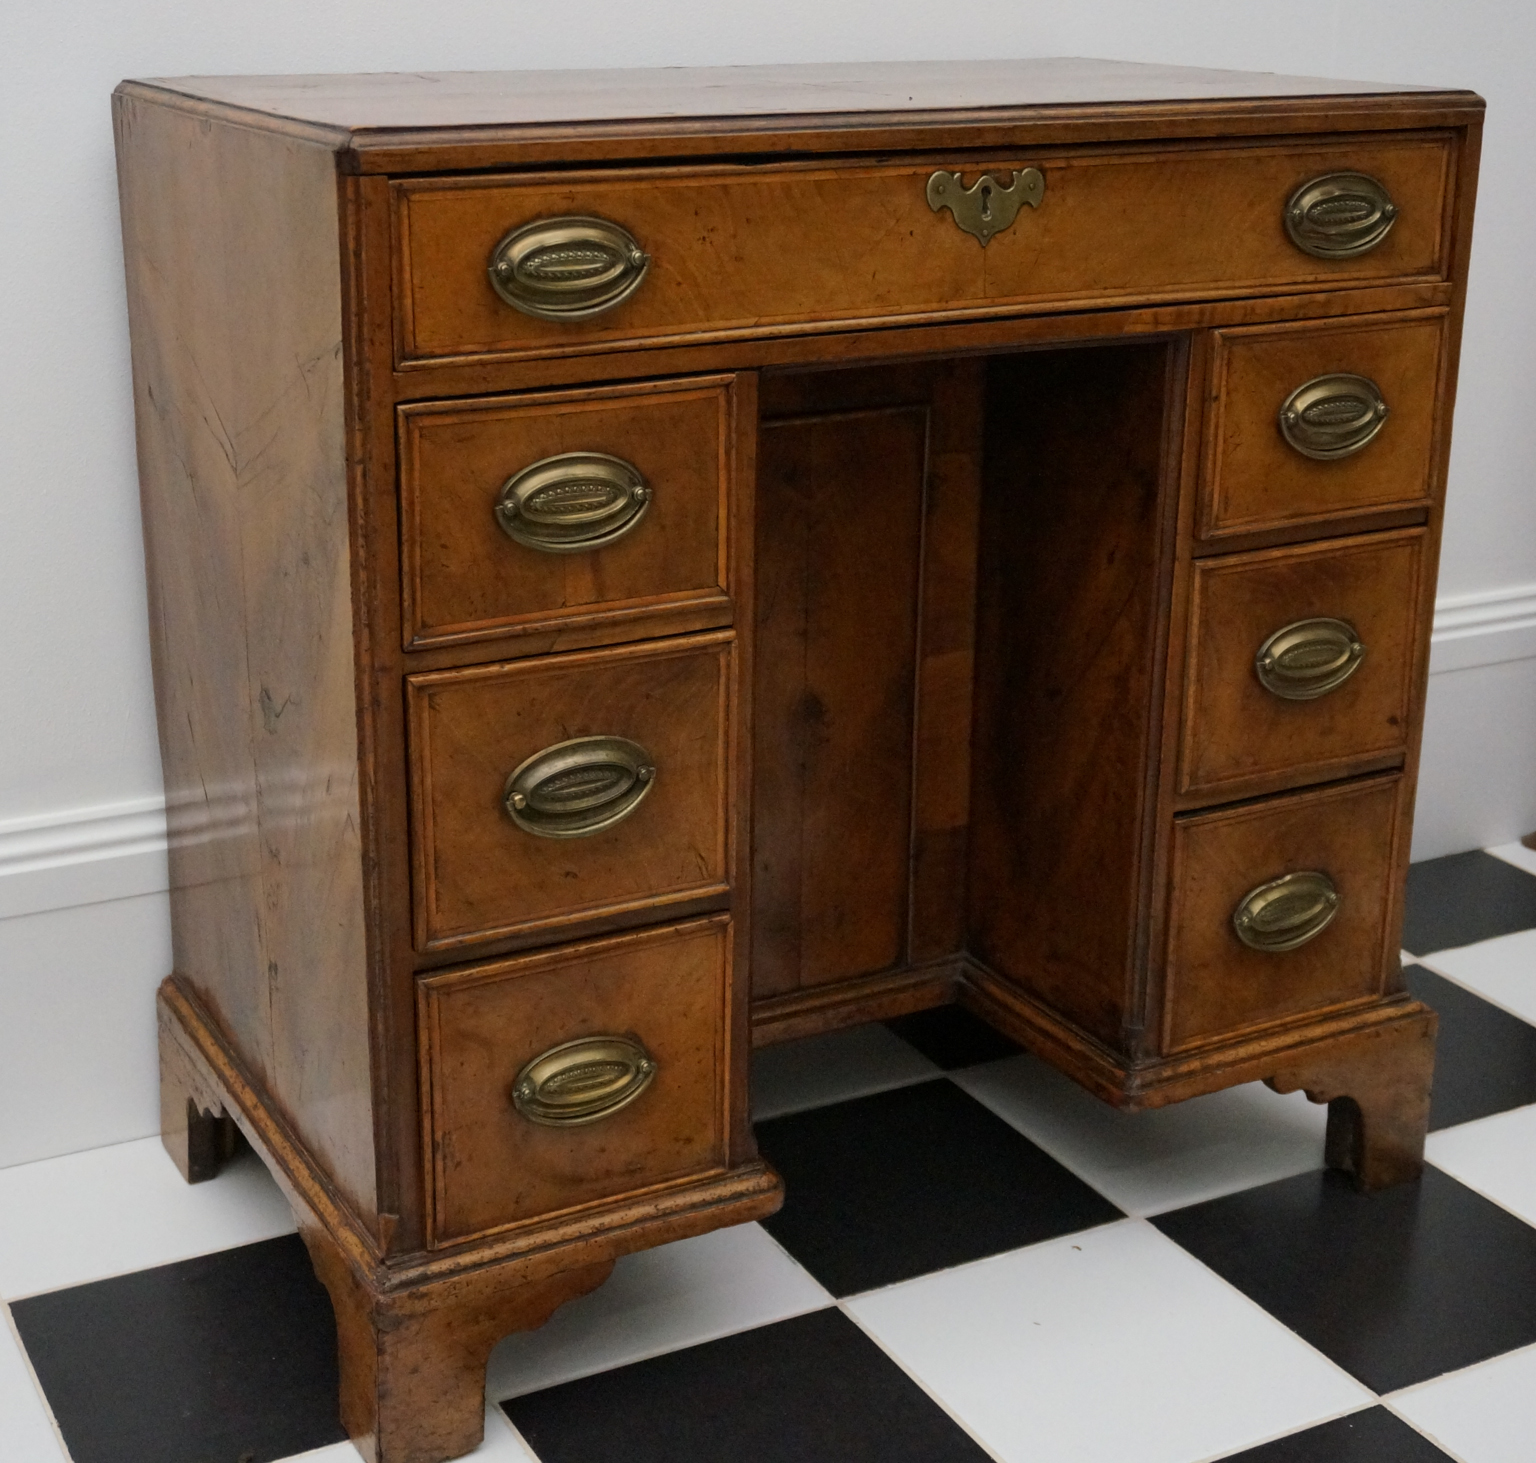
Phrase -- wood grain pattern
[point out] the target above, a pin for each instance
(478, 876)
(1074, 511)
(941, 763)
(1377, 1086)
(741, 250)
(1256, 480)
(465, 579)
(1239, 739)
(840, 508)
(231, 235)
(492, 1167)
(1216, 985)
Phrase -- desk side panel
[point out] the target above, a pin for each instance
(231, 240)
(1067, 632)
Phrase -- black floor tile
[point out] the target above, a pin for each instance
(228, 1357)
(1396, 1286)
(902, 1183)
(1485, 1059)
(814, 1389)
(1373, 1436)
(1465, 898)
(950, 1037)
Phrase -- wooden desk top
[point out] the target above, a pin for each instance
(386, 121)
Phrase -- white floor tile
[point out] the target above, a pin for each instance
(820, 1069)
(1517, 854)
(1106, 1345)
(1496, 1156)
(1150, 1162)
(656, 1301)
(502, 1444)
(1484, 1414)
(1502, 970)
(26, 1430)
(64, 1221)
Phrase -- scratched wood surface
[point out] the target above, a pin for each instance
(230, 235)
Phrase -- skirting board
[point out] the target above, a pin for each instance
(117, 850)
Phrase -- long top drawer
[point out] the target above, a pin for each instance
(744, 250)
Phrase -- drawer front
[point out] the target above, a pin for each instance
(1259, 475)
(755, 250)
(622, 760)
(1230, 863)
(565, 1078)
(1301, 662)
(564, 509)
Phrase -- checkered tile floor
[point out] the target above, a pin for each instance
(976, 1261)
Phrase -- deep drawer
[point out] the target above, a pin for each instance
(1302, 663)
(622, 762)
(1361, 397)
(562, 1079)
(1228, 866)
(732, 250)
(564, 510)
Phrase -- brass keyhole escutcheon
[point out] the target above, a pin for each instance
(987, 207)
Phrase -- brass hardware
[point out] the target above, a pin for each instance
(567, 268)
(573, 502)
(987, 207)
(1308, 658)
(1333, 416)
(1339, 215)
(582, 1081)
(1286, 912)
(579, 787)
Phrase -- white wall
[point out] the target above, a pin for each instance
(82, 924)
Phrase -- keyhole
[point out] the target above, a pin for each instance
(986, 200)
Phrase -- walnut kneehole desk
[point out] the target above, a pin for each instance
(644, 564)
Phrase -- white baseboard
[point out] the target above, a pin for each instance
(1483, 629)
(82, 856)
(117, 850)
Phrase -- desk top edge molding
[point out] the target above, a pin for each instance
(385, 122)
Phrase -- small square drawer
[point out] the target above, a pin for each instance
(1282, 909)
(1313, 423)
(565, 510)
(1302, 663)
(561, 1079)
(554, 791)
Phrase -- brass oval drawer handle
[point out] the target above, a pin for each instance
(1340, 215)
(1286, 912)
(572, 502)
(567, 268)
(987, 207)
(582, 1081)
(1333, 416)
(579, 787)
(1308, 658)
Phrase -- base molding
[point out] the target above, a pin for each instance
(415, 1331)
(1372, 1065)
